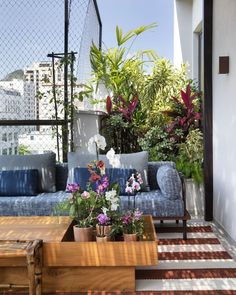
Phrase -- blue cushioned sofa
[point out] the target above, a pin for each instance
(153, 202)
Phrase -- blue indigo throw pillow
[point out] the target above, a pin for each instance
(44, 163)
(120, 176)
(19, 182)
(169, 182)
(115, 175)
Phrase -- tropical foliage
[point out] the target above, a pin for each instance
(150, 104)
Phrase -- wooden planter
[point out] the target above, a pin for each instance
(70, 266)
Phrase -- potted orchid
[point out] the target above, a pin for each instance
(80, 206)
(132, 225)
(103, 228)
(98, 201)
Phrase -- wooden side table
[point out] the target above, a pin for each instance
(31, 251)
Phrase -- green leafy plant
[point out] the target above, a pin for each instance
(23, 150)
(122, 74)
(190, 158)
(158, 143)
(160, 85)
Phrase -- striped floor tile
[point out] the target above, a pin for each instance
(199, 265)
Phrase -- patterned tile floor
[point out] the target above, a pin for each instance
(203, 264)
(226, 240)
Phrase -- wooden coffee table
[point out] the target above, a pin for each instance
(70, 266)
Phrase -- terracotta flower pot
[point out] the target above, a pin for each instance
(83, 234)
(101, 239)
(130, 237)
(103, 230)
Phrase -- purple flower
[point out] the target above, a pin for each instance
(102, 185)
(103, 219)
(105, 182)
(137, 215)
(126, 219)
(100, 189)
(128, 190)
(72, 187)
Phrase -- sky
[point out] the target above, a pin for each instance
(130, 14)
(31, 29)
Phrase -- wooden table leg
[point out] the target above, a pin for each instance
(34, 266)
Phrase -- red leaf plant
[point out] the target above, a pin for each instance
(185, 114)
(124, 107)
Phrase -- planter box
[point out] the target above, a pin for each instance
(194, 198)
(70, 266)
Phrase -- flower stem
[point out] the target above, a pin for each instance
(97, 150)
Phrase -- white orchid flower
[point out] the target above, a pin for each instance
(95, 143)
(100, 141)
(104, 210)
(110, 154)
(114, 159)
(110, 195)
(114, 206)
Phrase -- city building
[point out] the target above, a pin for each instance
(38, 142)
(40, 75)
(10, 109)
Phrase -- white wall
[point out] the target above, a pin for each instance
(86, 125)
(224, 116)
(187, 24)
(183, 33)
(197, 15)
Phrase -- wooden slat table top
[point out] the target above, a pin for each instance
(47, 228)
(14, 248)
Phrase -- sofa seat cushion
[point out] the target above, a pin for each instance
(169, 182)
(42, 204)
(154, 203)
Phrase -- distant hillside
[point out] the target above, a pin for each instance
(18, 74)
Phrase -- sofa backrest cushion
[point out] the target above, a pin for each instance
(19, 182)
(44, 163)
(152, 172)
(169, 182)
(137, 161)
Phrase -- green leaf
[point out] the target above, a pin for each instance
(142, 29)
(122, 39)
(72, 211)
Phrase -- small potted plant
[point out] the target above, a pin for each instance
(103, 228)
(80, 206)
(132, 225)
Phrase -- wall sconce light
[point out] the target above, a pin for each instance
(223, 64)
